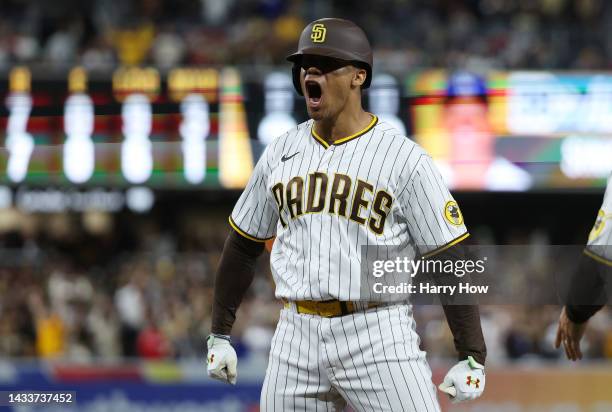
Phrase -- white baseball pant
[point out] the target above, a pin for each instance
(370, 360)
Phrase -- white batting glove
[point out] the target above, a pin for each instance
(222, 360)
(464, 381)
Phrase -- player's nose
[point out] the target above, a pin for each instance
(313, 71)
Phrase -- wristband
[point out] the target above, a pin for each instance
(473, 364)
(219, 336)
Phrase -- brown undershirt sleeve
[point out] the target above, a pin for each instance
(587, 292)
(464, 323)
(233, 278)
(463, 319)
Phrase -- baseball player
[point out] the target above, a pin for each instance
(329, 186)
(588, 287)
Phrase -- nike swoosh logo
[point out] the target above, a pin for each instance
(285, 158)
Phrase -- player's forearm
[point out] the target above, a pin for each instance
(463, 316)
(233, 278)
(464, 323)
(581, 313)
(587, 292)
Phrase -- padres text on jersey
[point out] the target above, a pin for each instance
(324, 202)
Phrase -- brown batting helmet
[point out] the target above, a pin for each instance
(337, 38)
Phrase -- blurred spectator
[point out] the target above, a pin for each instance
(103, 324)
(98, 55)
(474, 34)
(50, 328)
(62, 45)
(215, 12)
(168, 50)
(79, 348)
(151, 342)
(130, 304)
(133, 44)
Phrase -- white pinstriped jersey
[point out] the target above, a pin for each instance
(324, 202)
(600, 238)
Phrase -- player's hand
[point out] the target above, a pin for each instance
(570, 334)
(465, 381)
(222, 360)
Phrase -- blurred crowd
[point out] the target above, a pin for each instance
(94, 286)
(81, 288)
(470, 34)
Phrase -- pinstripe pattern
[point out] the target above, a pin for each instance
(602, 243)
(369, 360)
(317, 256)
(296, 379)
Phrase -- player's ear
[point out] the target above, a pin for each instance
(359, 76)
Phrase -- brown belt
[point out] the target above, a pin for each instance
(328, 308)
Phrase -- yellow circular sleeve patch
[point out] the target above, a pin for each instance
(452, 213)
(600, 222)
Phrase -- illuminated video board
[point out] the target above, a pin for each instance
(110, 135)
(516, 130)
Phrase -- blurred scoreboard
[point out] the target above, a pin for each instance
(204, 128)
(189, 131)
(516, 130)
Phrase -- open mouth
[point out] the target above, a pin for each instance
(313, 92)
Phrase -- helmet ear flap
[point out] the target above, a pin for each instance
(295, 71)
